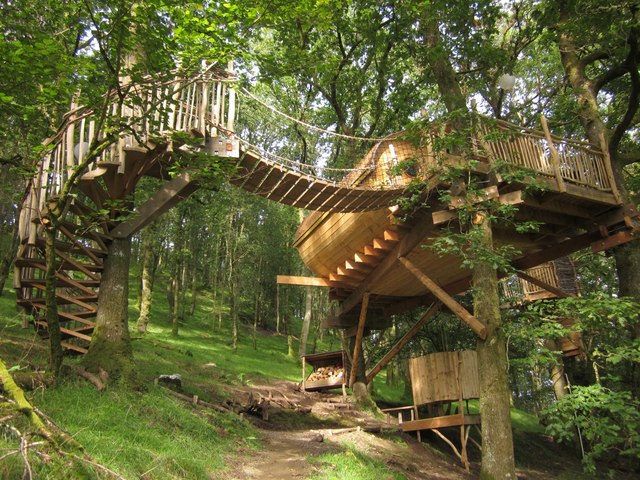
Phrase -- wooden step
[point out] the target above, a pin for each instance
(65, 332)
(82, 301)
(68, 316)
(65, 265)
(82, 231)
(73, 249)
(84, 285)
(76, 348)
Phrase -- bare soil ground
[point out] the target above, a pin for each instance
(291, 438)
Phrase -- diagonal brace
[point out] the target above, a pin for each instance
(447, 299)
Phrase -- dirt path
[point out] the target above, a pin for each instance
(284, 456)
(286, 449)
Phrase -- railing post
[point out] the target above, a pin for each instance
(232, 102)
(607, 165)
(555, 158)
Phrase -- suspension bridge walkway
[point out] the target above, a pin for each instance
(353, 240)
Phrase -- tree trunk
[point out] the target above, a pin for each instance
(149, 263)
(194, 290)
(7, 259)
(497, 440)
(110, 346)
(175, 304)
(360, 390)
(556, 371)
(53, 321)
(628, 268)
(290, 350)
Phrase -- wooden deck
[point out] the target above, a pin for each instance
(578, 206)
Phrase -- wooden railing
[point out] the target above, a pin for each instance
(563, 161)
(514, 288)
(200, 105)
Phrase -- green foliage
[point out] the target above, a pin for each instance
(609, 422)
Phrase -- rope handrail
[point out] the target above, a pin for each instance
(308, 125)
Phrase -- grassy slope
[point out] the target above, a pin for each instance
(152, 435)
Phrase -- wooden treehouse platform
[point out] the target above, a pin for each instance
(386, 255)
(356, 242)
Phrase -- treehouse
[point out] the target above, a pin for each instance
(555, 279)
(387, 255)
(357, 241)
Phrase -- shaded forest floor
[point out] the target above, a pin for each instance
(152, 434)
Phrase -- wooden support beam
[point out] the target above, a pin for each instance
(613, 241)
(484, 194)
(359, 333)
(445, 298)
(431, 311)
(549, 288)
(170, 194)
(303, 281)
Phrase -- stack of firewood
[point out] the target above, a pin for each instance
(323, 373)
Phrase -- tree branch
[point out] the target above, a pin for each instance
(633, 103)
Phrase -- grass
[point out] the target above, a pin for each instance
(351, 464)
(148, 435)
(152, 435)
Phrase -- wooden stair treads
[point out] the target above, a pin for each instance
(67, 263)
(71, 346)
(353, 272)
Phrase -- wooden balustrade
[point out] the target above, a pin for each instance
(200, 106)
(563, 160)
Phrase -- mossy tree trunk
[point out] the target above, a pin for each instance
(498, 460)
(21, 402)
(7, 259)
(359, 388)
(53, 321)
(110, 346)
(149, 264)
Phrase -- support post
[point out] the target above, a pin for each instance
(431, 311)
(445, 298)
(359, 334)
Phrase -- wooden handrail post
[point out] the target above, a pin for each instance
(555, 158)
(607, 165)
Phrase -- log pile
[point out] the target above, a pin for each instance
(333, 373)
